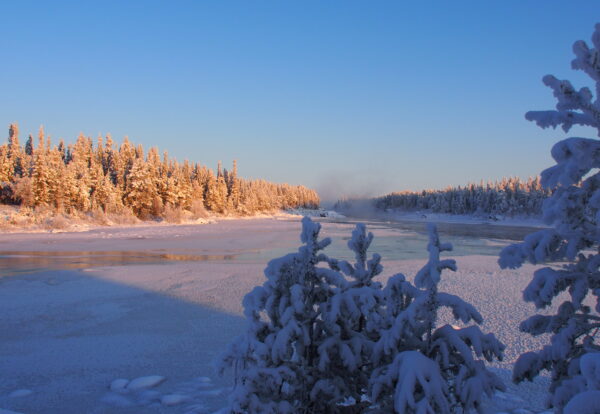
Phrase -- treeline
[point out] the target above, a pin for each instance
(509, 196)
(85, 177)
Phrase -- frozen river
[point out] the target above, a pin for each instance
(79, 310)
(29, 253)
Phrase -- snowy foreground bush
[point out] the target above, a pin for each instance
(324, 337)
(573, 354)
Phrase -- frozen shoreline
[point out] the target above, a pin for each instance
(47, 221)
(56, 223)
(426, 216)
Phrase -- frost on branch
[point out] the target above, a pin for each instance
(574, 211)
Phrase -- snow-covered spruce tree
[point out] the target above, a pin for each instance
(353, 318)
(276, 361)
(317, 339)
(574, 210)
(423, 367)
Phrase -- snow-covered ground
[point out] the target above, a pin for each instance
(141, 336)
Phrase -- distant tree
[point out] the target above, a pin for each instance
(40, 175)
(6, 170)
(29, 146)
(141, 191)
(510, 196)
(15, 153)
(56, 171)
(221, 195)
(573, 354)
(233, 184)
(212, 200)
(126, 159)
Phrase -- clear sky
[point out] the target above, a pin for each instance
(356, 97)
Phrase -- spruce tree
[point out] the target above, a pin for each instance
(29, 146)
(233, 199)
(422, 367)
(40, 178)
(573, 354)
(277, 358)
(141, 191)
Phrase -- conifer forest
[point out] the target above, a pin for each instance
(510, 196)
(109, 178)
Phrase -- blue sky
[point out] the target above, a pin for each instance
(348, 97)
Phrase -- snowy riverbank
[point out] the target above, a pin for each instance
(427, 216)
(68, 334)
(15, 219)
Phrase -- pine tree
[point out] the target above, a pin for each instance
(573, 354)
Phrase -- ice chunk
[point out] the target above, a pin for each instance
(145, 382)
(173, 399)
(119, 385)
(20, 393)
